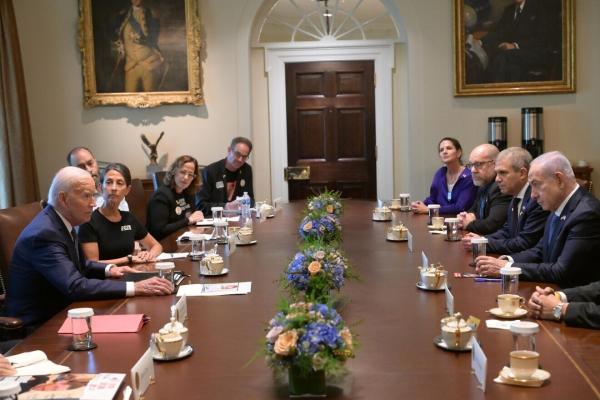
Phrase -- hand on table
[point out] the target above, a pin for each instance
(466, 240)
(489, 266)
(143, 257)
(542, 302)
(195, 217)
(464, 219)
(419, 207)
(117, 272)
(153, 287)
(5, 367)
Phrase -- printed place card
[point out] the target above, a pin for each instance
(181, 309)
(478, 364)
(142, 374)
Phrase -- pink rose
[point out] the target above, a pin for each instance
(273, 333)
(286, 343)
(314, 267)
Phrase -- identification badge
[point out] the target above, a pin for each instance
(178, 210)
(242, 183)
(449, 196)
(219, 185)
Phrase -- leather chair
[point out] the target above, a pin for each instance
(12, 222)
(138, 200)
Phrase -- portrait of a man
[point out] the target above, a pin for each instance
(139, 45)
(514, 42)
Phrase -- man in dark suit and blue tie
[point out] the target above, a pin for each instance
(525, 218)
(488, 212)
(48, 270)
(565, 254)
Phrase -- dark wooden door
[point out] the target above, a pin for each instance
(331, 127)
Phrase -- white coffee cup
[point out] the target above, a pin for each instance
(170, 344)
(456, 338)
(437, 222)
(434, 279)
(523, 363)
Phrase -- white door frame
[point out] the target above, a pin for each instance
(382, 52)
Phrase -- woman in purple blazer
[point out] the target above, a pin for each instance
(452, 187)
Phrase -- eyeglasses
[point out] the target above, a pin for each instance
(478, 165)
(186, 174)
(240, 155)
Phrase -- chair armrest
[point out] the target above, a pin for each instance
(10, 323)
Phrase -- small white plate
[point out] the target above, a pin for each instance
(423, 287)
(271, 216)
(537, 379)
(382, 220)
(436, 228)
(238, 243)
(439, 342)
(496, 311)
(205, 272)
(396, 240)
(186, 351)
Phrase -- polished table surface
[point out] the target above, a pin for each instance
(395, 323)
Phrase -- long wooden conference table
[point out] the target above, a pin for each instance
(395, 321)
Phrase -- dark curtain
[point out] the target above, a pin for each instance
(18, 174)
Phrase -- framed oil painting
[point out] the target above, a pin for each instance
(514, 47)
(140, 53)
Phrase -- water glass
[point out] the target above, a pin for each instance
(81, 325)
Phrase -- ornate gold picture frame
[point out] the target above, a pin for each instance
(506, 47)
(140, 53)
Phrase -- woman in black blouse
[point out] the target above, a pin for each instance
(172, 205)
(110, 235)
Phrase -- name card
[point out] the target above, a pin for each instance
(277, 203)
(181, 309)
(231, 244)
(449, 301)
(142, 375)
(410, 242)
(424, 260)
(478, 364)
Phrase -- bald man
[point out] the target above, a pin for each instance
(567, 253)
(488, 212)
(48, 270)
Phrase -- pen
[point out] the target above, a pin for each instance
(481, 279)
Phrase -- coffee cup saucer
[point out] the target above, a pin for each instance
(436, 228)
(519, 312)
(439, 342)
(238, 243)
(396, 240)
(537, 379)
(205, 272)
(185, 352)
(423, 287)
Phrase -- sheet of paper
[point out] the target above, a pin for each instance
(103, 386)
(186, 236)
(35, 363)
(478, 363)
(497, 324)
(118, 323)
(215, 289)
(171, 256)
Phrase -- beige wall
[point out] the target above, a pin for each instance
(236, 95)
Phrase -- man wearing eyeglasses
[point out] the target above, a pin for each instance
(488, 212)
(223, 181)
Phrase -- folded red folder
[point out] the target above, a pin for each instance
(119, 323)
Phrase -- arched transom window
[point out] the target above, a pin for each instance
(327, 20)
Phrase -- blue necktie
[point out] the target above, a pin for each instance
(552, 229)
(77, 262)
(482, 203)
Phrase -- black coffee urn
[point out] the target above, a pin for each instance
(497, 132)
(532, 130)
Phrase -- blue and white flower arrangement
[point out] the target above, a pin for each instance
(319, 226)
(328, 202)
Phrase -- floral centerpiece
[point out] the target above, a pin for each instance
(328, 201)
(310, 340)
(316, 270)
(320, 226)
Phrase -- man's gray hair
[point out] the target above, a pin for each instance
(552, 162)
(64, 181)
(518, 157)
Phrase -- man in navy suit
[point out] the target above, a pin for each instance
(48, 270)
(578, 306)
(565, 254)
(488, 212)
(525, 218)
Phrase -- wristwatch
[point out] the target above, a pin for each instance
(557, 311)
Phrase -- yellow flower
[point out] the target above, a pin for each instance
(347, 338)
(307, 226)
(314, 267)
(330, 209)
(286, 343)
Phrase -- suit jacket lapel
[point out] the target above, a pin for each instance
(564, 216)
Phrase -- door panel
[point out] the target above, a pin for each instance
(331, 127)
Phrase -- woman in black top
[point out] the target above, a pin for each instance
(172, 205)
(110, 234)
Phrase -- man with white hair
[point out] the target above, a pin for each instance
(48, 270)
(565, 254)
(488, 212)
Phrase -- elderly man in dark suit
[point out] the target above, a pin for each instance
(578, 306)
(48, 270)
(518, 43)
(565, 254)
(488, 212)
(525, 218)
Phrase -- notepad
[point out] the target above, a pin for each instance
(35, 363)
(118, 323)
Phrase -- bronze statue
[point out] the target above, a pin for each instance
(152, 148)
